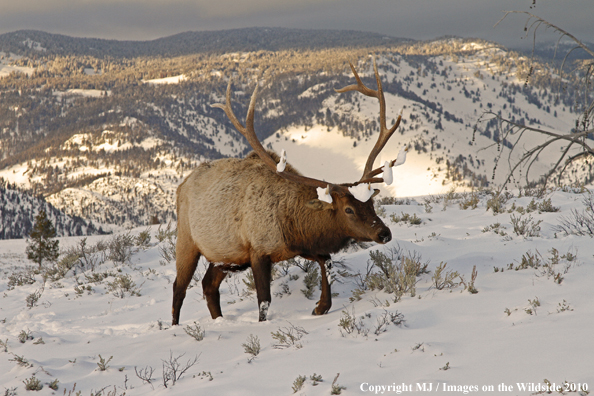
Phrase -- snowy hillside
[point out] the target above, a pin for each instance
(18, 210)
(7, 65)
(100, 324)
(445, 101)
(122, 201)
(111, 134)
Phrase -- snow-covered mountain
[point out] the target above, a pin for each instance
(121, 133)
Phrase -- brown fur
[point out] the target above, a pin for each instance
(239, 213)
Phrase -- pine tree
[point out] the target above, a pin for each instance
(41, 245)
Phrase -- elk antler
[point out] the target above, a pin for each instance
(385, 133)
(250, 135)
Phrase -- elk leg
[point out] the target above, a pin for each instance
(326, 297)
(185, 262)
(210, 286)
(262, 270)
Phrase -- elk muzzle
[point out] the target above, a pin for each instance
(384, 236)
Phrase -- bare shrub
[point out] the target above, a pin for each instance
(120, 247)
(21, 278)
(497, 202)
(167, 248)
(406, 218)
(311, 280)
(445, 279)
(350, 324)
(470, 284)
(252, 347)
(103, 364)
(122, 286)
(579, 223)
(20, 360)
(470, 200)
(298, 383)
(387, 318)
(145, 374)
(173, 370)
(525, 226)
(336, 388)
(397, 275)
(548, 267)
(166, 233)
(287, 337)
(33, 384)
(196, 331)
(143, 240)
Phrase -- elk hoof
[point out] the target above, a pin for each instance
(314, 312)
(263, 311)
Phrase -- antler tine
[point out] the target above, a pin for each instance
(250, 134)
(370, 176)
(248, 130)
(385, 133)
(360, 87)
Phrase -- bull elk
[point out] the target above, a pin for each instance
(256, 211)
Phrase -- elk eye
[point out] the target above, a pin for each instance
(349, 211)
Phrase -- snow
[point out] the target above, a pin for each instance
(450, 338)
(109, 142)
(387, 175)
(16, 174)
(324, 194)
(131, 200)
(34, 45)
(7, 66)
(314, 90)
(401, 159)
(362, 192)
(88, 93)
(282, 163)
(327, 155)
(77, 140)
(167, 80)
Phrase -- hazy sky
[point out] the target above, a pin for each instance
(417, 19)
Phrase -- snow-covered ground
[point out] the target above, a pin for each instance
(522, 328)
(167, 80)
(7, 66)
(89, 93)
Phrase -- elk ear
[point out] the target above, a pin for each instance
(375, 192)
(316, 204)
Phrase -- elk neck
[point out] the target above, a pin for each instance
(312, 232)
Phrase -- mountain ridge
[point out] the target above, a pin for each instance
(27, 42)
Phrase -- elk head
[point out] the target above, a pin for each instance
(351, 202)
(358, 218)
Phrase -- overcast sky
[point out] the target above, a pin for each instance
(417, 19)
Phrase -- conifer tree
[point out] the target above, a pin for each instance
(41, 244)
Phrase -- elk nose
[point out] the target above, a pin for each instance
(385, 235)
